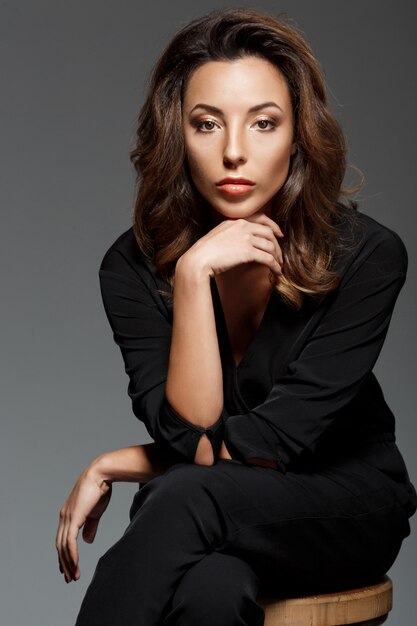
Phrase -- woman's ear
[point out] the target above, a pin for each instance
(293, 148)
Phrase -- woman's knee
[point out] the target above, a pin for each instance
(181, 483)
(220, 589)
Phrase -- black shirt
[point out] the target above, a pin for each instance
(305, 386)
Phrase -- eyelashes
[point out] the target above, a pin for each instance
(271, 122)
(200, 125)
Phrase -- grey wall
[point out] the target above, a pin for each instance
(73, 80)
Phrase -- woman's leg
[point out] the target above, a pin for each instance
(305, 532)
(220, 589)
(177, 519)
(301, 531)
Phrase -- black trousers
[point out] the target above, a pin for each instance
(205, 541)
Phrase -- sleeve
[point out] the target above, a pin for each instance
(143, 335)
(330, 367)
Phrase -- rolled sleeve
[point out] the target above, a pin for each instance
(143, 334)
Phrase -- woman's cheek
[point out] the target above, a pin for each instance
(200, 171)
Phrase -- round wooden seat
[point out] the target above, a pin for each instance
(367, 606)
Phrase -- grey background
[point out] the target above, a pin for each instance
(73, 76)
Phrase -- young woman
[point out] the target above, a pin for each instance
(250, 304)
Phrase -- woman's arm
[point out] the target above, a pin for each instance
(91, 494)
(150, 341)
(195, 382)
(133, 464)
(142, 329)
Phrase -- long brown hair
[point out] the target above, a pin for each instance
(170, 215)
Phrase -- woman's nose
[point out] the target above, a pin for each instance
(234, 149)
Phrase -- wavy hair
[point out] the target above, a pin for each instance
(169, 213)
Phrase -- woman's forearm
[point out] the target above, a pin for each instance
(134, 464)
(195, 381)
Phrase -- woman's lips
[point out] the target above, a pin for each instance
(235, 189)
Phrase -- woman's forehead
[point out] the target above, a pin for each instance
(238, 84)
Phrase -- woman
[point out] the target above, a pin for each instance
(274, 468)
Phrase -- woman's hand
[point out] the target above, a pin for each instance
(91, 495)
(235, 242)
(85, 505)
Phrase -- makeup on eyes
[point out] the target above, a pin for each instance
(199, 123)
(217, 111)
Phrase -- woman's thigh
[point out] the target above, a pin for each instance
(304, 532)
(338, 526)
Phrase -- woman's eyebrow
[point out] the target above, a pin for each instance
(213, 109)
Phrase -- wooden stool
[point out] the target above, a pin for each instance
(367, 606)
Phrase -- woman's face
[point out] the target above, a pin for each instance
(238, 122)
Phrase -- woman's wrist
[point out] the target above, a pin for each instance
(190, 267)
(138, 463)
(99, 470)
(204, 453)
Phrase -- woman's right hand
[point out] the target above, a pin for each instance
(238, 241)
(91, 495)
(84, 506)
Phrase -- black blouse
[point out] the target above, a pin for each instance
(305, 384)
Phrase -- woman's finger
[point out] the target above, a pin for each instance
(277, 251)
(261, 218)
(273, 225)
(267, 258)
(65, 551)
(264, 244)
(279, 254)
(58, 543)
(72, 548)
(59, 546)
(276, 233)
(265, 231)
(67, 556)
(70, 536)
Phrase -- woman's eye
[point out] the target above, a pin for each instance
(200, 125)
(273, 124)
(207, 126)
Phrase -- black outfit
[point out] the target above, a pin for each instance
(204, 542)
